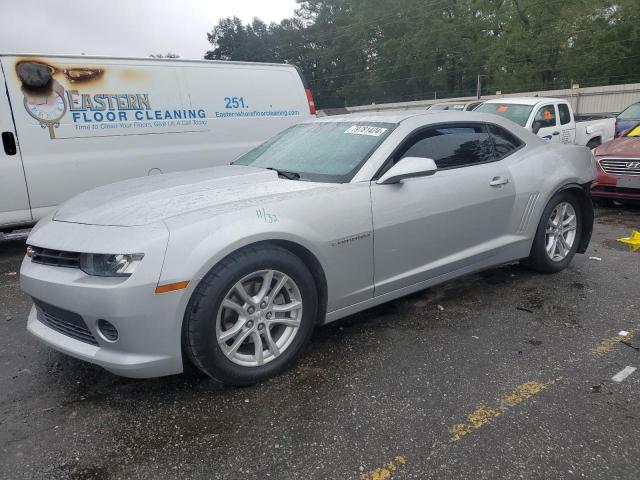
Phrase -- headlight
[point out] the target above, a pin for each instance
(110, 265)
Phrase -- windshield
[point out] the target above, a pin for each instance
(323, 151)
(631, 113)
(513, 111)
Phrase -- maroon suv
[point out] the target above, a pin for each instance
(618, 168)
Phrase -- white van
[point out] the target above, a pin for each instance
(70, 124)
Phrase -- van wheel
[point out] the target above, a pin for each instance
(558, 234)
(251, 315)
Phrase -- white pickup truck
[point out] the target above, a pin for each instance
(552, 119)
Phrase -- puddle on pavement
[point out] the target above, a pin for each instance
(615, 245)
(618, 216)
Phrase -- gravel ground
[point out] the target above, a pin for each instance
(503, 374)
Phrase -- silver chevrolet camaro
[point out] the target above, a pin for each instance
(230, 268)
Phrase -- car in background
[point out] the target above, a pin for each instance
(618, 168)
(628, 118)
(553, 120)
(459, 106)
(232, 267)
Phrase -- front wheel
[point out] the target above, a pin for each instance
(251, 315)
(558, 234)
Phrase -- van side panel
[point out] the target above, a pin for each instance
(105, 120)
(14, 200)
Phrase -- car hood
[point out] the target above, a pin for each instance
(146, 200)
(623, 146)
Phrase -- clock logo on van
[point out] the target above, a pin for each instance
(43, 95)
(48, 111)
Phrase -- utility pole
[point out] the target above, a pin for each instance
(479, 87)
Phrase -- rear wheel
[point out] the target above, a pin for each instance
(593, 143)
(251, 316)
(558, 234)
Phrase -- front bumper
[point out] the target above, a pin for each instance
(148, 324)
(606, 186)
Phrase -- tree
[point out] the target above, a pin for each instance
(234, 41)
(362, 51)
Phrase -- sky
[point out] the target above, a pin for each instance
(134, 28)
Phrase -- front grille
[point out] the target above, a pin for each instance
(65, 322)
(621, 166)
(58, 258)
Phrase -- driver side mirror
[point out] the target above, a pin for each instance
(536, 126)
(408, 167)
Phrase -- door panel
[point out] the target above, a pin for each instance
(428, 226)
(547, 115)
(567, 124)
(14, 200)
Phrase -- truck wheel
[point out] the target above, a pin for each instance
(251, 315)
(593, 143)
(558, 234)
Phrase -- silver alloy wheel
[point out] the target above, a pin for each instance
(259, 318)
(561, 231)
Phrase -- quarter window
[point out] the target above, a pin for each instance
(505, 142)
(453, 146)
(565, 115)
(546, 117)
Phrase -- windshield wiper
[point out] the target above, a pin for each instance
(286, 174)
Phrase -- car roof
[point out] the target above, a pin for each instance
(388, 116)
(524, 100)
(425, 116)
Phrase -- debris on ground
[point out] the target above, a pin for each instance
(524, 309)
(632, 240)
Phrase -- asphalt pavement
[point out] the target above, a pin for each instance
(502, 374)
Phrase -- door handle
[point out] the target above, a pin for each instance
(498, 181)
(9, 143)
(556, 133)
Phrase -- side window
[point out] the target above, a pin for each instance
(453, 146)
(504, 141)
(564, 114)
(546, 116)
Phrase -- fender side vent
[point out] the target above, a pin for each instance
(528, 212)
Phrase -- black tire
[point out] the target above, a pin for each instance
(593, 143)
(538, 258)
(199, 329)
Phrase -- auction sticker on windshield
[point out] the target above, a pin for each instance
(366, 130)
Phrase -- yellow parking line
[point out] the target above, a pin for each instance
(606, 345)
(386, 471)
(483, 414)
